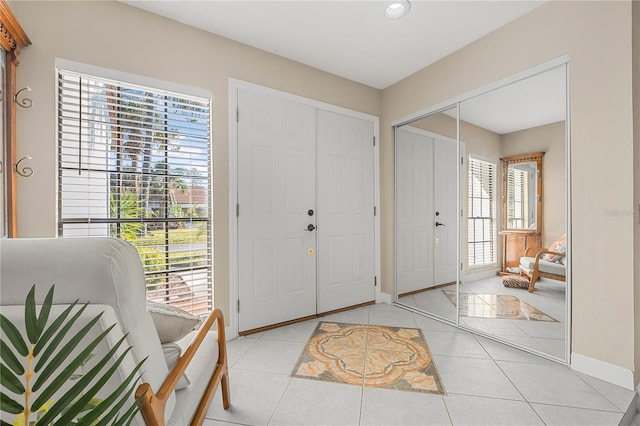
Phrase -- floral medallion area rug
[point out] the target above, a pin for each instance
(369, 355)
(496, 306)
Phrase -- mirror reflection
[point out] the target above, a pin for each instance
(525, 122)
(426, 191)
(512, 217)
(521, 193)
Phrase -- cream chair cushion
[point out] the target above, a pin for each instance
(543, 266)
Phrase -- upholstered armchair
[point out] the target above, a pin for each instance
(540, 262)
(108, 273)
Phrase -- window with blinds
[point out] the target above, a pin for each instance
(134, 163)
(481, 213)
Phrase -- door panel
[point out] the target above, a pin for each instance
(445, 184)
(345, 218)
(276, 188)
(414, 220)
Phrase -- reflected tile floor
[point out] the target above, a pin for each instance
(369, 355)
(503, 386)
(496, 306)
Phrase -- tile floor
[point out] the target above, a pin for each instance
(486, 383)
(543, 336)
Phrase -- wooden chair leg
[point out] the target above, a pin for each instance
(226, 396)
(532, 282)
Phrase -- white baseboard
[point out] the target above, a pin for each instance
(384, 298)
(229, 334)
(603, 370)
(471, 276)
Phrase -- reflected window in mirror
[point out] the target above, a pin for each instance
(481, 225)
(521, 196)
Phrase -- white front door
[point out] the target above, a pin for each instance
(276, 189)
(445, 207)
(345, 215)
(414, 200)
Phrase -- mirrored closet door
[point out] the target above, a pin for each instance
(427, 175)
(499, 159)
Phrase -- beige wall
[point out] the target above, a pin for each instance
(117, 36)
(597, 36)
(550, 140)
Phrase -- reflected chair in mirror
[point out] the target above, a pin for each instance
(539, 262)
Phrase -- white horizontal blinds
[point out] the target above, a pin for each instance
(481, 213)
(517, 206)
(134, 163)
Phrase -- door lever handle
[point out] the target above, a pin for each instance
(440, 224)
(310, 227)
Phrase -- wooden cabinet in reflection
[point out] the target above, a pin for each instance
(514, 244)
(522, 201)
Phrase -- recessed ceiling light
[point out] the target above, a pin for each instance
(397, 9)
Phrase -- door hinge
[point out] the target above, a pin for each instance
(461, 266)
(375, 281)
(237, 209)
(237, 114)
(374, 141)
(461, 160)
(238, 305)
(375, 210)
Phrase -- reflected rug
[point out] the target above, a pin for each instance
(369, 355)
(496, 306)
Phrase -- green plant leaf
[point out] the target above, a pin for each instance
(55, 325)
(13, 335)
(55, 342)
(44, 313)
(73, 365)
(10, 381)
(61, 357)
(79, 388)
(127, 416)
(10, 359)
(30, 320)
(9, 405)
(82, 402)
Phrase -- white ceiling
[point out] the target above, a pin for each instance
(528, 103)
(352, 39)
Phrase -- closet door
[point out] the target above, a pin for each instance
(276, 190)
(345, 211)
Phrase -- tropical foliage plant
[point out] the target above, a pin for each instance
(34, 367)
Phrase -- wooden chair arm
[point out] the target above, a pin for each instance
(542, 252)
(152, 405)
(531, 251)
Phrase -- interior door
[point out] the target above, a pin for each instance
(414, 198)
(345, 215)
(445, 168)
(276, 190)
